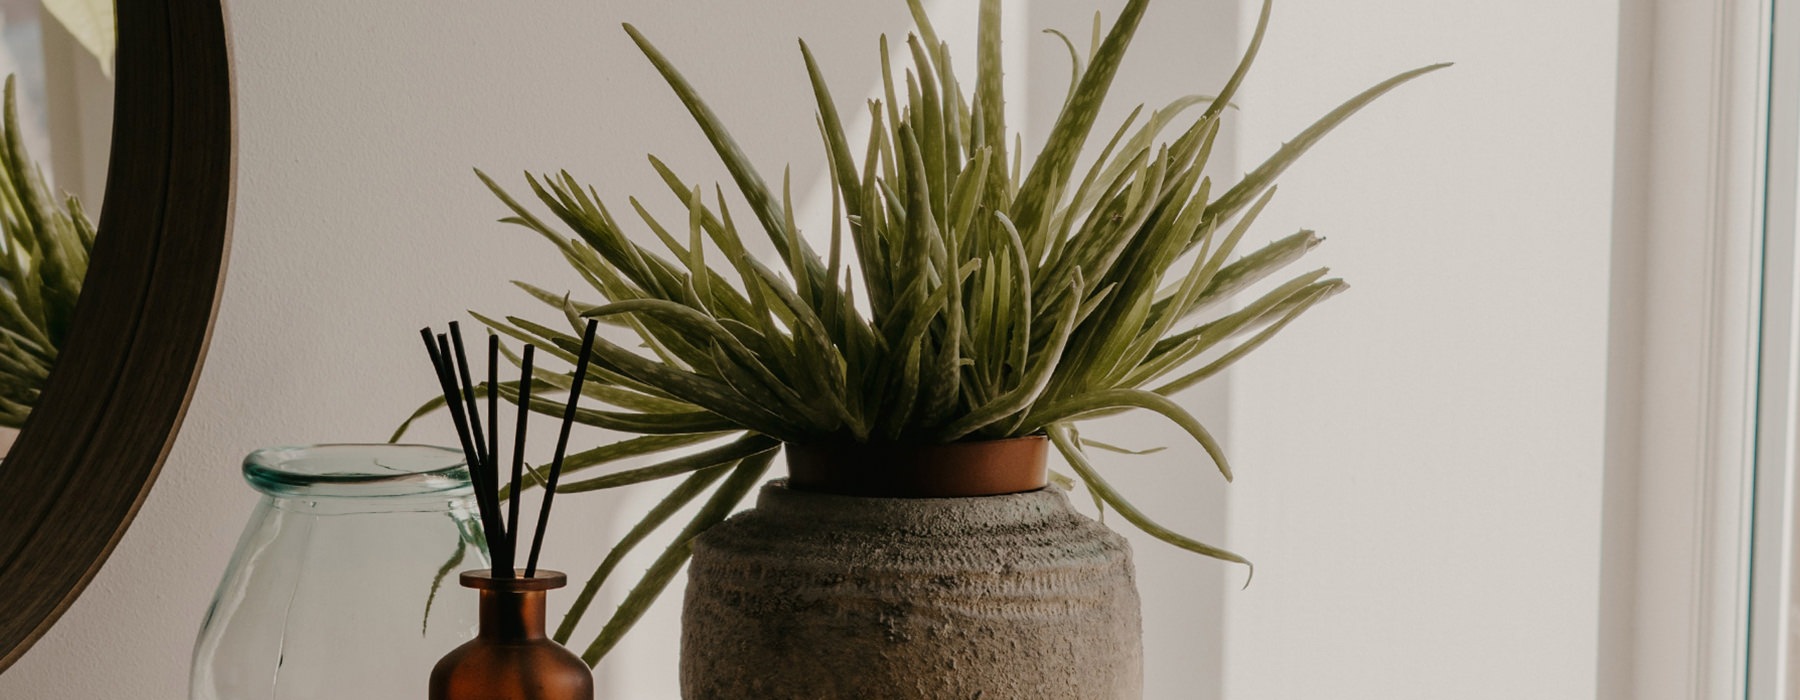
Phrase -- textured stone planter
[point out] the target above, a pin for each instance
(813, 596)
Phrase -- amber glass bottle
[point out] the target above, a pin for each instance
(511, 658)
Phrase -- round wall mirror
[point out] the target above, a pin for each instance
(95, 374)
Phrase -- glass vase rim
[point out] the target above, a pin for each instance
(358, 470)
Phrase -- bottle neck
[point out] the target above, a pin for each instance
(512, 615)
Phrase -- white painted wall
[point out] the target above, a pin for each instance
(1421, 461)
(1419, 476)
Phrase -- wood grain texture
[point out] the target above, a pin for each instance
(110, 410)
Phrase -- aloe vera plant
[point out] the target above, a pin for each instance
(44, 244)
(967, 291)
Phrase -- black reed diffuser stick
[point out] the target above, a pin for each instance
(482, 448)
(442, 361)
(501, 529)
(493, 394)
(518, 461)
(484, 454)
(562, 444)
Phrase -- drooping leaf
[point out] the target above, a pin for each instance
(742, 479)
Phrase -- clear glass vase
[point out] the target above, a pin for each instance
(343, 586)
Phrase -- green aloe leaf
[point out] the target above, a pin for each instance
(1031, 387)
(1243, 68)
(741, 448)
(683, 494)
(1264, 175)
(1071, 451)
(1313, 296)
(837, 147)
(749, 183)
(1076, 119)
(1111, 401)
(742, 479)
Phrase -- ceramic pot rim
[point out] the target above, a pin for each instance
(951, 470)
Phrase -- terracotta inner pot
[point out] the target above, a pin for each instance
(953, 470)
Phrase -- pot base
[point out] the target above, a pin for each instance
(823, 596)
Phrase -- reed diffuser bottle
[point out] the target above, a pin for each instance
(510, 658)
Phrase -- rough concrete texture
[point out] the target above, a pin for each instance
(815, 597)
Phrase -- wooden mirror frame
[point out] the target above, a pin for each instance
(110, 409)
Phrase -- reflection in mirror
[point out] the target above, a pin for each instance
(57, 131)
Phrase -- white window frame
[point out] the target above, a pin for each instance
(1686, 483)
(1771, 672)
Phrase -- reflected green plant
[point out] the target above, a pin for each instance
(966, 291)
(44, 245)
